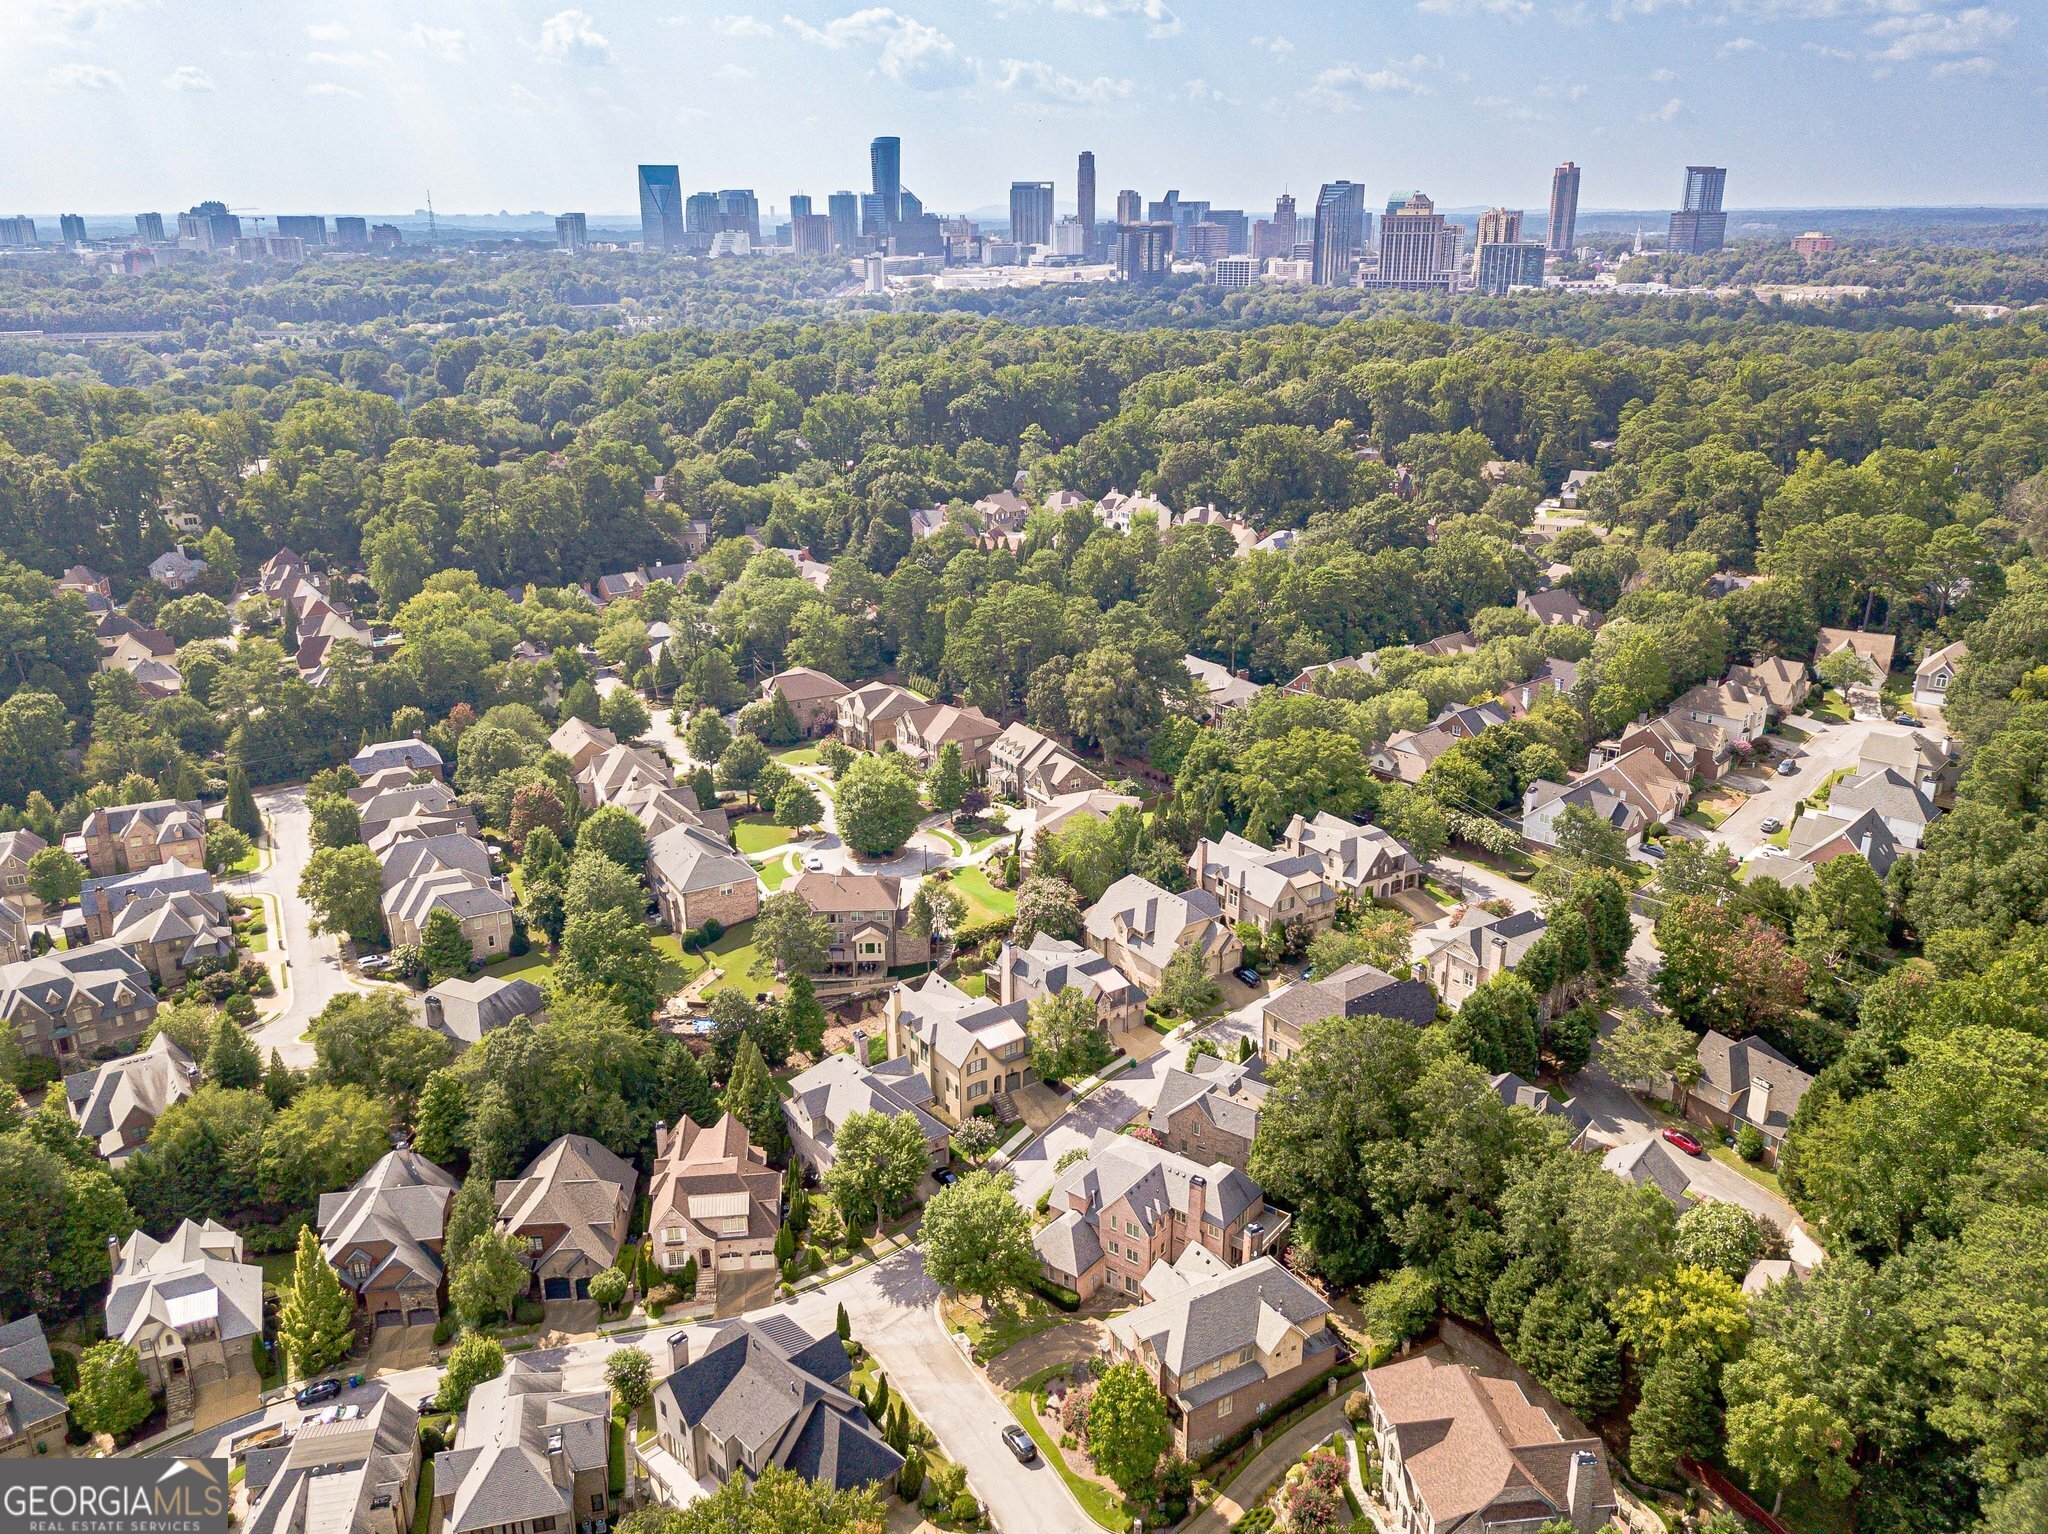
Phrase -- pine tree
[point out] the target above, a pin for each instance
(802, 1016)
(240, 809)
(751, 1098)
(665, 677)
(844, 1325)
(315, 1320)
(280, 1082)
(471, 1215)
(440, 1118)
(231, 1060)
(685, 1090)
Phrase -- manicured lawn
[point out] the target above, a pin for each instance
(1759, 1174)
(1826, 706)
(772, 874)
(532, 965)
(423, 1504)
(984, 900)
(246, 864)
(1097, 1501)
(979, 833)
(742, 966)
(1024, 1316)
(798, 756)
(758, 833)
(678, 969)
(974, 985)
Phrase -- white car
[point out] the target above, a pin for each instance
(814, 862)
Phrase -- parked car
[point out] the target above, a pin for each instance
(318, 1391)
(1246, 974)
(1906, 719)
(1772, 824)
(1684, 1142)
(376, 963)
(1019, 1443)
(429, 1403)
(944, 1177)
(814, 862)
(1654, 850)
(1787, 767)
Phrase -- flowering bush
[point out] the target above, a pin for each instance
(1074, 1412)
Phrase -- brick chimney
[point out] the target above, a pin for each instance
(1579, 1489)
(1198, 1203)
(660, 1140)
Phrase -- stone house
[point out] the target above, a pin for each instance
(838, 1086)
(570, 1209)
(1137, 926)
(128, 837)
(713, 1199)
(117, 1104)
(811, 695)
(1209, 1110)
(973, 1052)
(869, 920)
(768, 1393)
(1462, 1451)
(1033, 768)
(173, 934)
(33, 1411)
(530, 1456)
(1261, 885)
(16, 848)
(1364, 861)
(867, 716)
(922, 731)
(101, 901)
(1130, 1205)
(1048, 965)
(1357, 990)
(383, 1236)
(1462, 954)
(188, 1306)
(1225, 1345)
(1745, 1081)
(697, 877)
(453, 872)
(77, 1003)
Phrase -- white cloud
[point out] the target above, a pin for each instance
(1345, 87)
(350, 60)
(1663, 76)
(443, 42)
(741, 26)
(572, 37)
(326, 31)
(731, 71)
(1949, 69)
(1279, 45)
(1510, 108)
(1666, 113)
(84, 77)
(1202, 93)
(909, 52)
(1736, 45)
(1159, 18)
(188, 77)
(1033, 77)
(1512, 8)
(329, 88)
(1927, 34)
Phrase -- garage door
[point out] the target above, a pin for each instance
(582, 1288)
(388, 1318)
(420, 1316)
(554, 1288)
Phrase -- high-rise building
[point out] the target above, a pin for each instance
(1144, 250)
(139, 262)
(1284, 215)
(149, 228)
(208, 226)
(1233, 273)
(1069, 237)
(572, 231)
(1342, 228)
(1812, 243)
(799, 207)
(843, 208)
(351, 234)
(1207, 242)
(1236, 227)
(71, 229)
(1414, 240)
(310, 227)
(1031, 212)
(1084, 192)
(885, 161)
(1499, 226)
(810, 234)
(661, 207)
(1564, 209)
(1511, 264)
(391, 237)
(1699, 225)
(1130, 207)
(19, 230)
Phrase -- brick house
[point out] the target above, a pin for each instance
(1356, 860)
(1255, 884)
(579, 740)
(811, 695)
(922, 731)
(174, 934)
(129, 837)
(1225, 1345)
(1130, 1205)
(1048, 965)
(1137, 926)
(713, 1199)
(973, 1052)
(696, 877)
(570, 1209)
(1745, 1081)
(867, 716)
(869, 919)
(1357, 990)
(383, 1236)
(101, 901)
(188, 1306)
(77, 1003)
(1033, 768)
(1209, 1111)
(33, 1411)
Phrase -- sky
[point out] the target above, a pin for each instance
(292, 106)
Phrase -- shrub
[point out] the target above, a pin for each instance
(444, 1331)
(1064, 1299)
(529, 1312)
(1749, 1143)
(965, 1509)
(1358, 1407)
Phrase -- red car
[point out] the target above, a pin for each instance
(1684, 1142)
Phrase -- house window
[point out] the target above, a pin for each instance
(976, 1067)
(1130, 1227)
(359, 1267)
(978, 1089)
(1223, 1406)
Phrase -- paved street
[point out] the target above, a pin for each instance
(313, 971)
(1830, 748)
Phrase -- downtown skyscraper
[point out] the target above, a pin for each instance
(1084, 193)
(661, 207)
(1342, 229)
(1031, 212)
(1699, 225)
(1564, 209)
(885, 164)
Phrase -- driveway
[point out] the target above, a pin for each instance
(1475, 882)
(1830, 748)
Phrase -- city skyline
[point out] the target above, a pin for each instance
(540, 107)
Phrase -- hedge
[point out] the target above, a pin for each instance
(1300, 1397)
(1062, 1298)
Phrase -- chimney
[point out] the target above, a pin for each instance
(1249, 1241)
(660, 1139)
(678, 1350)
(114, 1252)
(1198, 1203)
(1579, 1489)
(1758, 1108)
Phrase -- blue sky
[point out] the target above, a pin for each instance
(364, 105)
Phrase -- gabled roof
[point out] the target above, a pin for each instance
(501, 1470)
(1877, 649)
(135, 1090)
(1153, 1183)
(1050, 964)
(952, 1023)
(466, 1008)
(1652, 1161)
(1357, 990)
(195, 1278)
(801, 684)
(1198, 1321)
(107, 975)
(410, 752)
(1263, 875)
(1150, 921)
(579, 1185)
(402, 1200)
(1892, 795)
(822, 1098)
(1735, 1066)
(686, 858)
(1227, 1093)
(1947, 658)
(26, 1396)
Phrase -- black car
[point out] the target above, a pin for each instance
(943, 1177)
(318, 1391)
(1247, 974)
(429, 1404)
(1019, 1443)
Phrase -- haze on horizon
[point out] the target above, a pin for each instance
(110, 106)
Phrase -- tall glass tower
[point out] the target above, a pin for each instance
(661, 207)
(1342, 229)
(885, 158)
